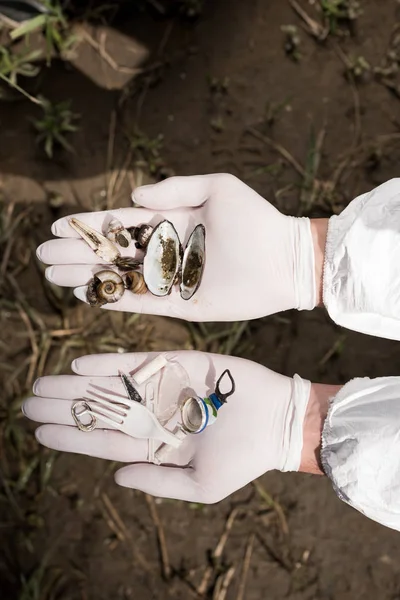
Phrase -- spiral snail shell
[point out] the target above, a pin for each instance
(134, 282)
(106, 287)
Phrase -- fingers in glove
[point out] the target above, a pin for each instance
(100, 443)
(170, 306)
(162, 481)
(176, 192)
(76, 252)
(129, 217)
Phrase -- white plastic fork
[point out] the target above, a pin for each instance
(132, 418)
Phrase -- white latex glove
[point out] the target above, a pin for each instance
(258, 261)
(259, 428)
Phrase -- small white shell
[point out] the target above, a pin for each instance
(162, 260)
(193, 262)
(117, 233)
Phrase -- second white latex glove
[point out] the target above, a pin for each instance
(258, 261)
(259, 428)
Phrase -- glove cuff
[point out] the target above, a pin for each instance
(294, 423)
(304, 267)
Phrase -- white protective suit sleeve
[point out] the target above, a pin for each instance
(361, 288)
(361, 447)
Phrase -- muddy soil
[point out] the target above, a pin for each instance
(218, 89)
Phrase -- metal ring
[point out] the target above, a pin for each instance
(87, 410)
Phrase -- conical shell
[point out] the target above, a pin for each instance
(134, 281)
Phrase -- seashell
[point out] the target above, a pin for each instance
(127, 263)
(141, 234)
(117, 233)
(103, 247)
(193, 262)
(106, 287)
(134, 282)
(162, 260)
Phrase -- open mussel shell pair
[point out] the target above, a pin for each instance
(165, 264)
(108, 287)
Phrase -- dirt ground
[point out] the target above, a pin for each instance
(309, 135)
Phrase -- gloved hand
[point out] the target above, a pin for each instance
(258, 261)
(259, 428)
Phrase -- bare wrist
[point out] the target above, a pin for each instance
(317, 410)
(319, 230)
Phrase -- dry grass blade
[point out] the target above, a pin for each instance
(216, 555)
(271, 503)
(245, 569)
(280, 149)
(312, 26)
(166, 567)
(356, 95)
(117, 525)
(100, 47)
(223, 583)
(336, 348)
(34, 345)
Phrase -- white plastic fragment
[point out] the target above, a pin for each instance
(153, 367)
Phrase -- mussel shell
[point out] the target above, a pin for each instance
(163, 259)
(106, 287)
(193, 262)
(134, 281)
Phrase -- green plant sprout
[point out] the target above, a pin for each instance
(56, 122)
(13, 65)
(55, 28)
(340, 10)
(292, 41)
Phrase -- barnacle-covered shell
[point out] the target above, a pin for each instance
(106, 287)
(162, 260)
(117, 233)
(134, 281)
(127, 263)
(141, 234)
(193, 262)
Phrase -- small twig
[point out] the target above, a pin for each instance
(314, 28)
(100, 48)
(114, 514)
(282, 151)
(216, 555)
(22, 91)
(56, 333)
(166, 567)
(245, 569)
